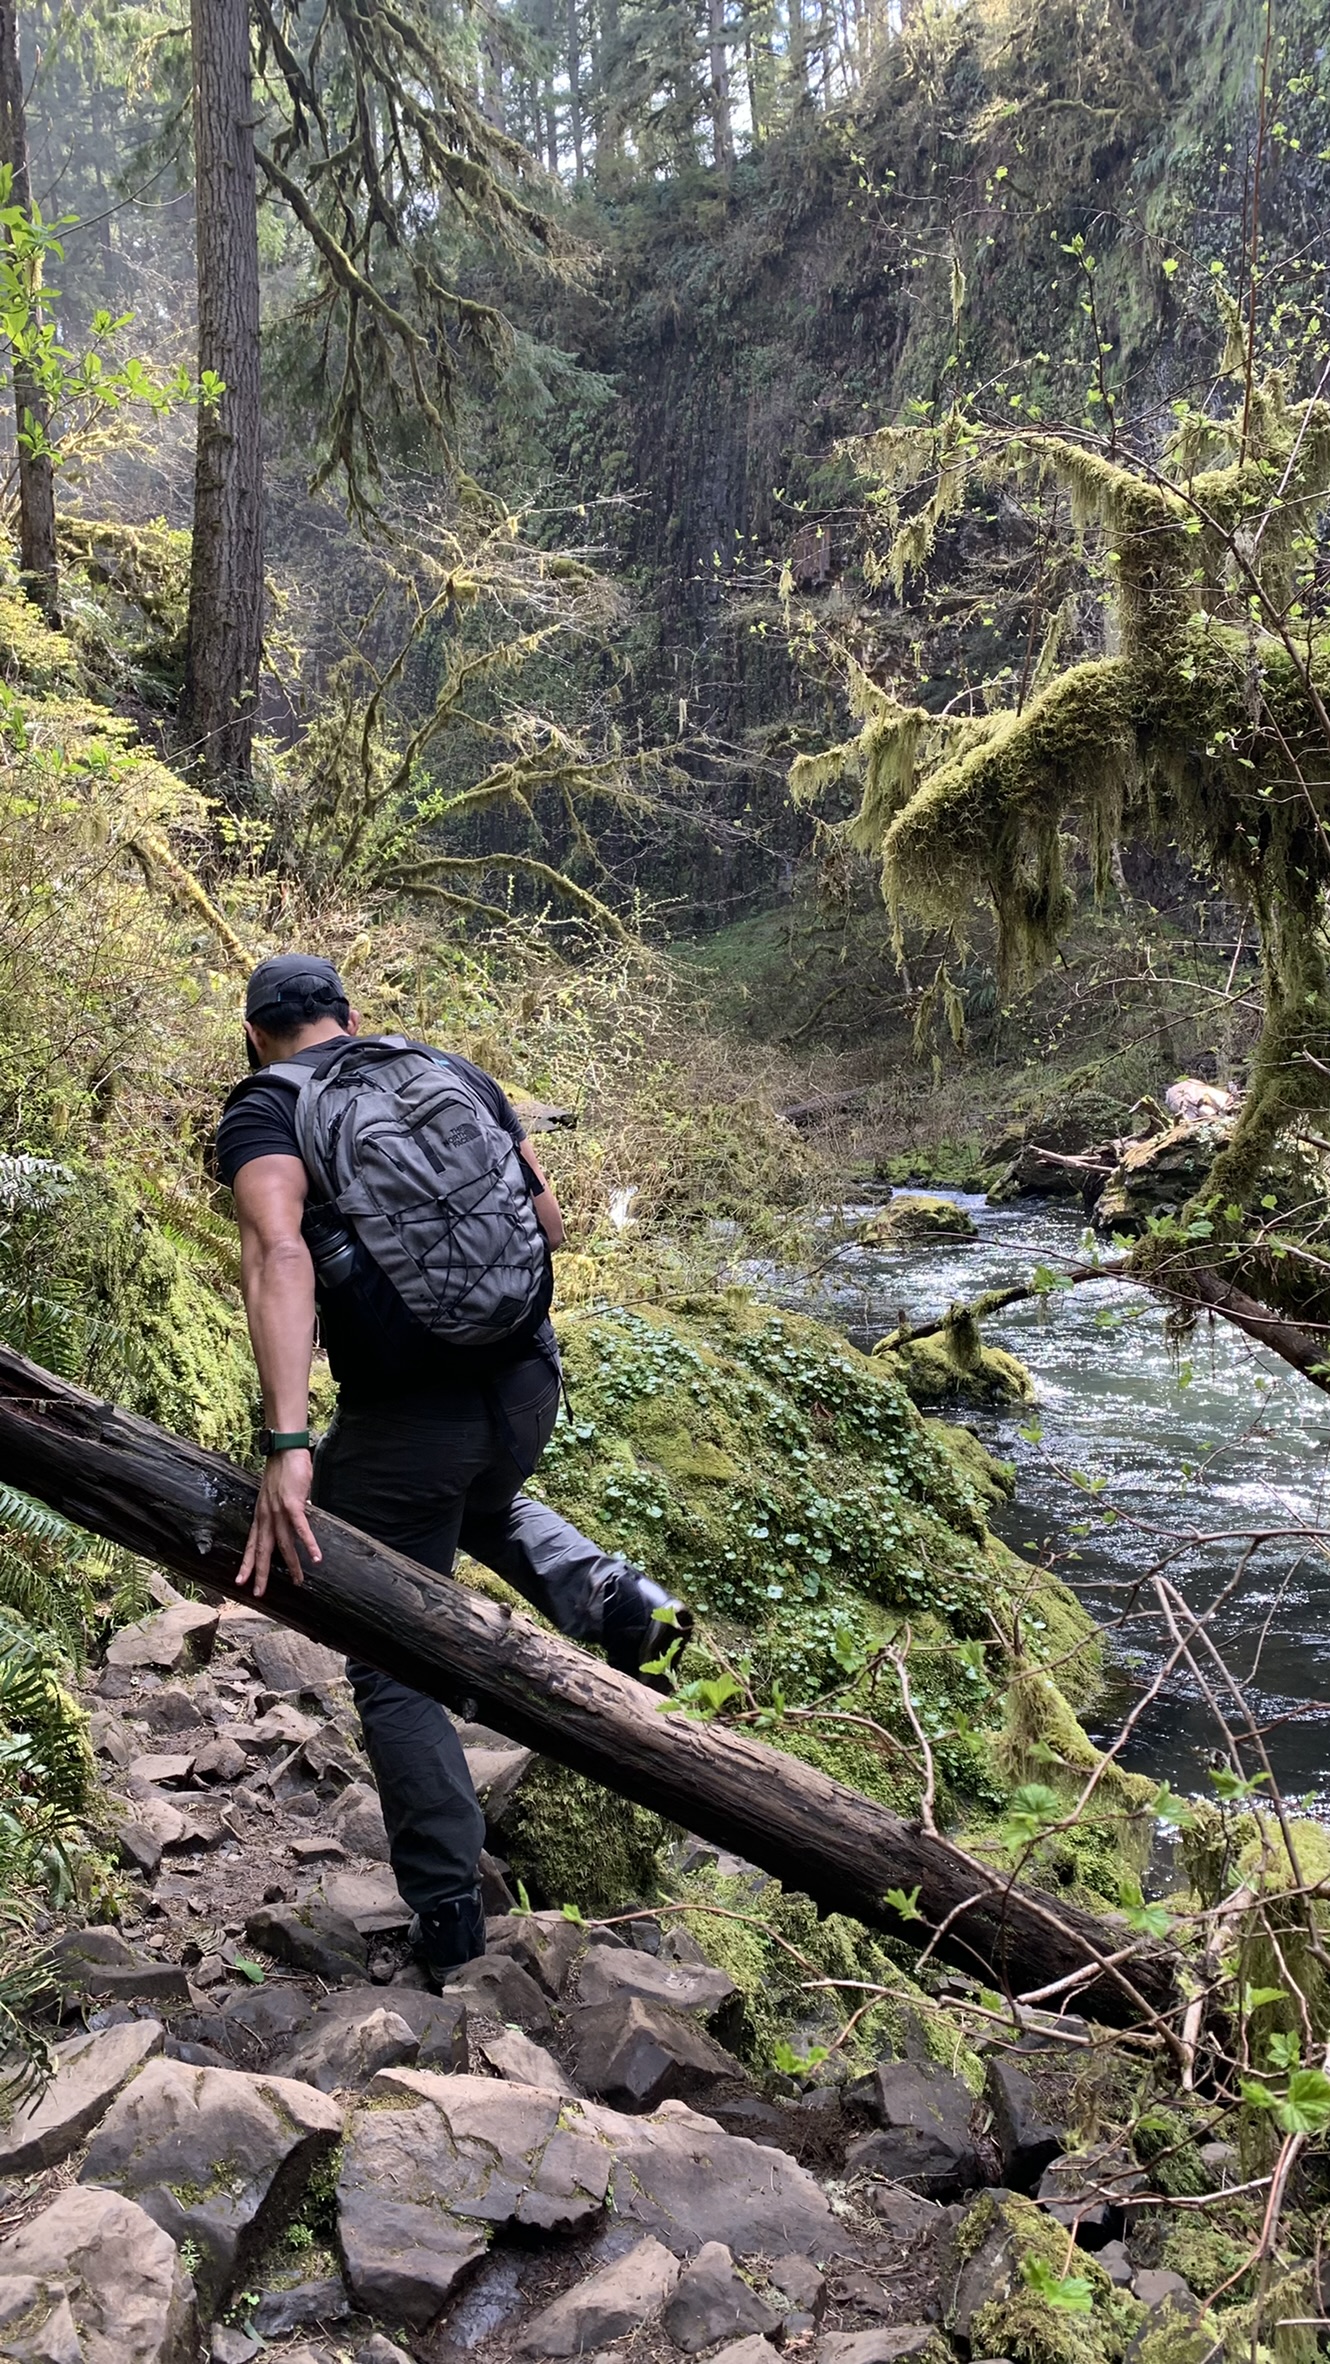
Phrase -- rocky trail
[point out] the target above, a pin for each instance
(266, 2136)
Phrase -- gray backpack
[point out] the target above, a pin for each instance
(431, 1187)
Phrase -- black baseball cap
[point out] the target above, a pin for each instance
(291, 977)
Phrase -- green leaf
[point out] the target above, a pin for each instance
(253, 1971)
(524, 1904)
(1032, 1808)
(1255, 1998)
(1150, 1919)
(796, 2064)
(906, 1907)
(1172, 1810)
(1306, 2107)
(1230, 1786)
(572, 1912)
(1071, 2294)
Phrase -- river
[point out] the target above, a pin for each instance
(1213, 1440)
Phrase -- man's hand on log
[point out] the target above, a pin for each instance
(280, 1524)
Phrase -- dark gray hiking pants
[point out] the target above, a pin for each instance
(428, 1476)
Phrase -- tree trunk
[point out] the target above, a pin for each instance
(722, 128)
(606, 63)
(491, 71)
(226, 576)
(36, 473)
(798, 50)
(126, 1479)
(575, 90)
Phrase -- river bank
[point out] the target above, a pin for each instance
(1209, 1438)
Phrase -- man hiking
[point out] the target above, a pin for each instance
(388, 1190)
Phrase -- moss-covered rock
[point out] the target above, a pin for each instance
(1001, 2243)
(571, 1842)
(913, 1216)
(788, 1487)
(954, 1365)
(776, 1948)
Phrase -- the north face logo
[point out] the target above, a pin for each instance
(463, 1134)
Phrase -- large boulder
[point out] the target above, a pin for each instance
(214, 2155)
(433, 2166)
(359, 1824)
(635, 2055)
(680, 2177)
(913, 1216)
(171, 1642)
(98, 1962)
(695, 1989)
(713, 2301)
(1158, 1176)
(89, 2072)
(547, 1946)
(93, 2280)
(310, 1937)
(341, 2052)
(923, 2138)
(955, 1364)
(1028, 2138)
(512, 2055)
(609, 2304)
(292, 1662)
(994, 2311)
(497, 1985)
(1091, 2190)
(356, 2031)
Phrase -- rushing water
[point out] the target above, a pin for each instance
(1216, 1441)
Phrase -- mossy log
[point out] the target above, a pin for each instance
(190, 1510)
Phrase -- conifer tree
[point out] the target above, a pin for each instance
(36, 474)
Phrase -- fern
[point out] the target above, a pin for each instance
(24, 1516)
(25, 1981)
(48, 1570)
(32, 1185)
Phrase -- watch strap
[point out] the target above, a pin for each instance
(283, 1440)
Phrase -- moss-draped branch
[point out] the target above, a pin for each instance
(1209, 727)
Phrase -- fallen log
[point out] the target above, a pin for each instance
(158, 1495)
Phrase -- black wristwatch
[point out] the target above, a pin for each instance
(283, 1440)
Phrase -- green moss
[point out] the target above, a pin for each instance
(1208, 2257)
(162, 1335)
(775, 1947)
(993, 1481)
(1019, 2324)
(953, 1365)
(571, 1842)
(1163, 2143)
(788, 1487)
(1175, 2337)
(30, 651)
(915, 1216)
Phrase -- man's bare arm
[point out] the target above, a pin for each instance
(545, 1202)
(277, 1281)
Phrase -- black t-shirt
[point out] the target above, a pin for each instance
(262, 1123)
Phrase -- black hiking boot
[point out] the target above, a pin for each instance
(631, 1632)
(452, 1934)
